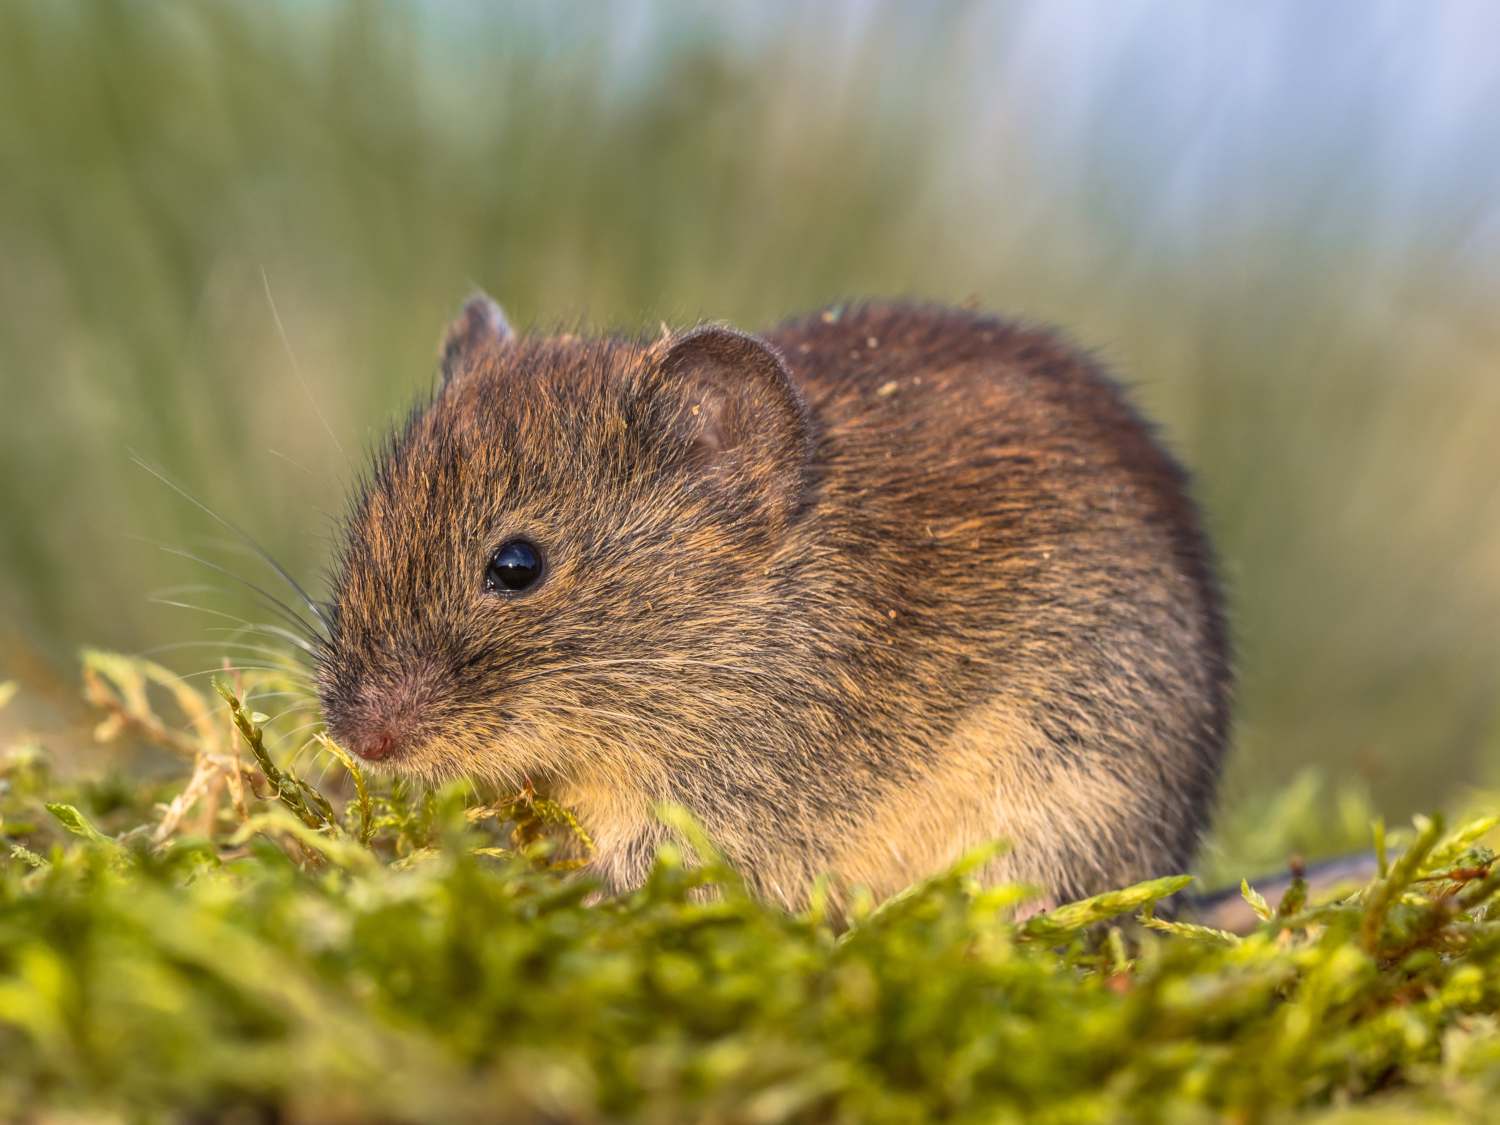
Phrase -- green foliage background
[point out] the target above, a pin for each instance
(1309, 317)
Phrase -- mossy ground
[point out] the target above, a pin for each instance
(229, 943)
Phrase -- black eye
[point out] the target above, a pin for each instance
(514, 567)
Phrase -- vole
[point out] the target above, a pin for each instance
(861, 593)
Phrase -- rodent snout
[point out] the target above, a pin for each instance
(373, 739)
(375, 745)
(379, 723)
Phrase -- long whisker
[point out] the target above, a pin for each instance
(265, 556)
(309, 631)
(296, 367)
(301, 727)
(158, 598)
(328, 764)
(271, 631)
(290, 461)
(302, 707)
(262, 650)
(273, 736)
(220, 669)
(258, 695)
(242, 626)
(272, 602)
(294, 761)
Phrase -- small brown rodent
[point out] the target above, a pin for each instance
(862, 593)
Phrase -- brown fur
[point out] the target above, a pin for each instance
(861, 595)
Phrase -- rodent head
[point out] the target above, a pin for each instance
(556, 557)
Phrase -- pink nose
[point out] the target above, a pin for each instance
(378, 721)
(374, 745)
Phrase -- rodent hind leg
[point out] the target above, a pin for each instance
(1072, 829)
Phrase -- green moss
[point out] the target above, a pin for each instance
(416, 956)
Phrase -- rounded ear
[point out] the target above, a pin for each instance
(742, 415)
(479, 324)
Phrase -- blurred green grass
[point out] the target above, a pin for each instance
(1321, 356)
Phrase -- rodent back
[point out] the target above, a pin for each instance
(1033, 551)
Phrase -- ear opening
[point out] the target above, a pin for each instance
(479, 325)
(742, 416)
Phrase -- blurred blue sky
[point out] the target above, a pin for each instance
(1210, 120)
